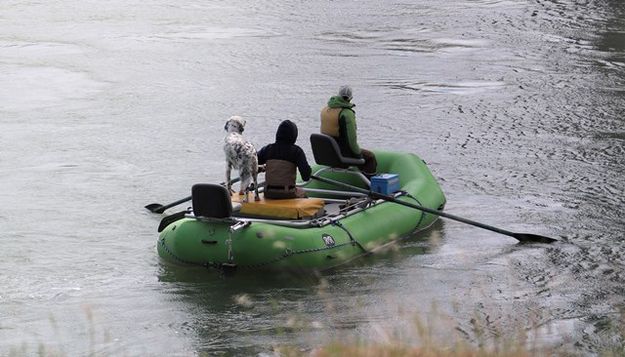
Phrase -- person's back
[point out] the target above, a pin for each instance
(282, 158)
(338, 119)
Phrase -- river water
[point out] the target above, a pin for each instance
(517, 106)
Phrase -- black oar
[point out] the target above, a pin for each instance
(167, 220)
(159, 208)
(521, 237)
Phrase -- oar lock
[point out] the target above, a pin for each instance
(239, 225)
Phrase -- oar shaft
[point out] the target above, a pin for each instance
(158, 208)
(182, 200)
(415, 206)
(446, 215)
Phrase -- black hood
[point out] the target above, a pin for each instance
(287, 133)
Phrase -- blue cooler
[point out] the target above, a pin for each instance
(385, 184)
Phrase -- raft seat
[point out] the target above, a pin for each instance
(292, 208)
(327, 153)
(211, 201)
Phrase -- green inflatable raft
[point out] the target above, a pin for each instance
(333, 226)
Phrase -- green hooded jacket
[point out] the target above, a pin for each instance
(347, 125)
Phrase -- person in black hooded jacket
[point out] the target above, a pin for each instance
(281, 159)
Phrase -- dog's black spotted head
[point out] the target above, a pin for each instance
(235, 124)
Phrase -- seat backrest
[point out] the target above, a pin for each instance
(327, 152)
(211, 200)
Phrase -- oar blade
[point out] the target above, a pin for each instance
(533, 238)
(155, 208)
(166, 221)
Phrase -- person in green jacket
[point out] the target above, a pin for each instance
(338, 119)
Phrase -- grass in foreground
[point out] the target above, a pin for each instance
(438, 335)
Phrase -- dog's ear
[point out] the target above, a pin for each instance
(242, 124)
(226, 126)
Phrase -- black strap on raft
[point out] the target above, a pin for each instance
(351, 238)
(404, 193)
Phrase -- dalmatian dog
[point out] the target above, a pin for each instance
(241, 155)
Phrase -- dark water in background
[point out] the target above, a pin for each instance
(517, 106)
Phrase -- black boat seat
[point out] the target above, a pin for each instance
(327, 152)
(211, 201)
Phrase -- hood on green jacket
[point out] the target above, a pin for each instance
(339, 102)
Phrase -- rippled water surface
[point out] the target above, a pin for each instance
(517, 106)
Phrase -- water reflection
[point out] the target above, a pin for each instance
(236, 314)
(612, 42)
